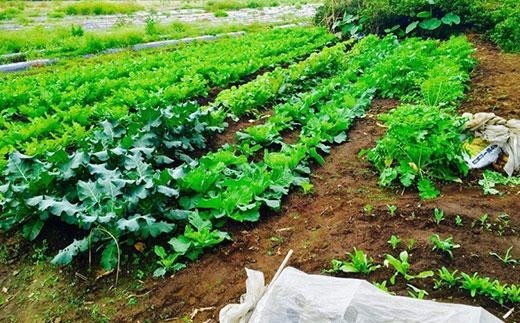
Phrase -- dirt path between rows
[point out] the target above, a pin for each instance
(332, 221)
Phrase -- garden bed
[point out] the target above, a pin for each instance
(333, 220)
(347, 209)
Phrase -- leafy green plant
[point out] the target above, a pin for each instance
(427, 21)
(151, 26)
(368, 209)
(382, 286)
(394, 241)
(358, 262)
(446, 278)
(77, 31)
(474, 283)
(458, 221)
(415, 292)
(447, 245)
(422, 143)
(438, 216)
(98, 88)
(220, 13)
(483, 222)
(491, 178)
(167, 262)
(507, 259)
(410, 244)
(402, 267)
(392, 209)
(507, 32)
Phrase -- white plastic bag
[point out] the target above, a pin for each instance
(499, 132)
(296, 297)
(240, 313)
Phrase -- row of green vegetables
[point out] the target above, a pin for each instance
(139, 180)
(124, 179)
(238, 180)
(422, 144)
(55, 109)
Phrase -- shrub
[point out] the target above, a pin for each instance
(507, 33)
(438, 18)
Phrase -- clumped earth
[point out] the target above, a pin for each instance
(347, 209)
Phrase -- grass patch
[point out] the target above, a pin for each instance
(225, 5)
(221, 13)
(69, 41)
(89, 8)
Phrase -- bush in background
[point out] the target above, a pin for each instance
(437, 18)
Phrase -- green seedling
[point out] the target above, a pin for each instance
(391, 209)
(416, 292)
(438, 216)
(394, 241)
(507, 259)
(368, 209)
(458, 221)
(475, 284)
(167, 262)
(402, 267)
(483, 221)
(446, 245)
(358, 262)
(498, 292)
(410, 245)
(446, 278)
(382, 286)
(513, 293)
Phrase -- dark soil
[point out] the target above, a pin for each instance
(348, 209)
(333, 220)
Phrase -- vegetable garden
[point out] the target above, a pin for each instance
(176, 168)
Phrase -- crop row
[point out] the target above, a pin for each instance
(47, 111)
(139, 180)
(232, 184)
(124, 179)
(423, 140)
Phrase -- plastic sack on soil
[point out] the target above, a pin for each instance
(302, 298)
(499, 133)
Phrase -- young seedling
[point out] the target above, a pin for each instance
(410, 245)
(359, 262)
(382, 286)
(446, 278)
(167, 262)
(368, 209)
(391, 209)
(394, 241)
(446, 245)
(402, 266)
(483, 222)
(458, 221)
(498, 292)
(416, 292)
(438, 216)
(513, 293)
(475, 284)
(507, 259)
